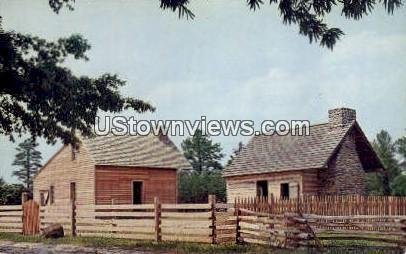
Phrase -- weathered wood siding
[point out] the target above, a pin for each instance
(61, 170)
(114, 184)
(246, 186)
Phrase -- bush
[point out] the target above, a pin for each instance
(10, 194)
(196, 187)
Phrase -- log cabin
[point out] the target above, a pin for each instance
(111, 170)
(333, 160)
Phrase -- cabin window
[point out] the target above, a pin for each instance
(285, 190)
(137, 192)
(43, 197)
(262, 188)
(51, 194)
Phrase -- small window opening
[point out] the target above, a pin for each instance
(51, 194)
(285, 190)
(262, 188)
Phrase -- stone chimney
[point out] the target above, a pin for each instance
(340, 117)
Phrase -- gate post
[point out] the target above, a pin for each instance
(212, 203)
(73, 210)
(157, 211)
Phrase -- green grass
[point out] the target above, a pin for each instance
(180, 247)
(176, 247)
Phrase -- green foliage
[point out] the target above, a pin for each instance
(206, 175)
(38, 95)
(202, 153)
(309, 16)
(390, 181)
(28, 159)
(196, 187)
(374, 184)
(385, 149)
(398, 186)
(401, 150)
(10, 194)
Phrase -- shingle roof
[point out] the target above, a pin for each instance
(139, 151)
(281, 153)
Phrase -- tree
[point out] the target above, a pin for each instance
(10, 194)
(202, 153)
(39, 96)
(401, 150)
(28, 159)
(385, 149)
(399, 186)
(236, 152)
(195, 187)
(307, 15)
(206, 175)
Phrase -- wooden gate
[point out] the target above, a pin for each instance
(30, 218)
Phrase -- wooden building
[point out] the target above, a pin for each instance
(112, 170)
(333, 159)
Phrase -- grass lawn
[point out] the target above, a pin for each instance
(180, 247)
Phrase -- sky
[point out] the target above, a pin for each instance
(229, 63)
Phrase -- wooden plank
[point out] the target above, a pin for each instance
(11, 208)
(117, 222)
(117, 207)
(11, 213)
(114, 214)
(56, 222)
(187, 231)
(255, 241)
(197, 215)
(185, 206)
(253, 233)
(186, 224)
(10, 219)
(114, 235)
(110, 228)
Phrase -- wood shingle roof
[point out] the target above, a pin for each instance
(264, 154)
(137, 151)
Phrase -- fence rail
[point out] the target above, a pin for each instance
(11, 219)
(281, 223)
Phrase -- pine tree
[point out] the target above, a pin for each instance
(28, 159)
(206, 177)
(385, 148)
(202, 153)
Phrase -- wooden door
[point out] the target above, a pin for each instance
(30, 218)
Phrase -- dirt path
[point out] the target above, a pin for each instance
(8, 247)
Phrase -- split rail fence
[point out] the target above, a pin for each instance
(277, 222)
(309, 220)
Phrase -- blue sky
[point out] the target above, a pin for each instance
(229, 63)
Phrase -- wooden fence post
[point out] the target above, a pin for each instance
(158, 212)
(237, 220)
(73, 204)
(212, 203)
